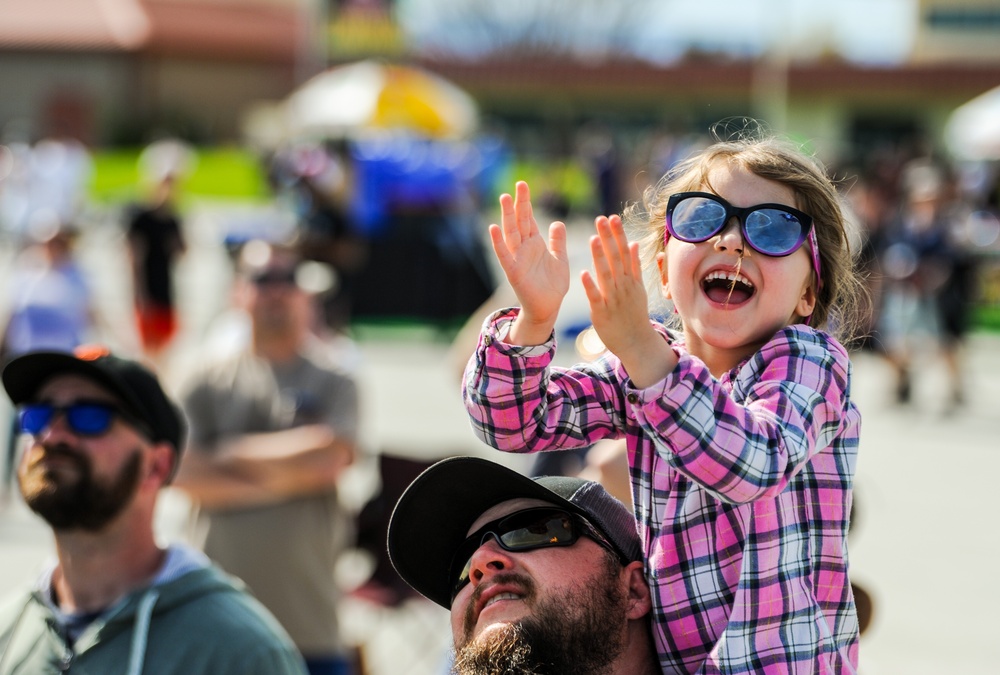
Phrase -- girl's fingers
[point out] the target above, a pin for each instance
(633, 250)
(557, 240)
(621, 241)
(594, 295)
(508, 220)
(522, 209)
(616, 244)
(602, 267)
(611, 254)
(500, 247)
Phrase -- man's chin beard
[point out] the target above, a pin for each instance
(80, 503)
(505, 650)
(582, 634)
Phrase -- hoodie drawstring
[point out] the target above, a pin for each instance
(140, 632)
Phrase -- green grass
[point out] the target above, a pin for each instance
(405, 329)
(225, 173)
(987, 317)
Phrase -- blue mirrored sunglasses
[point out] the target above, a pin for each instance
(772, 229)
(86, 418)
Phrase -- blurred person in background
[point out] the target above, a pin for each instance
(49, 177)
(103, 440)
(155, 242)
(49, 299)
(927, 280)
(318, 181)
(273, 426)
(49, 303)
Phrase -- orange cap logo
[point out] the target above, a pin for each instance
(91, 352)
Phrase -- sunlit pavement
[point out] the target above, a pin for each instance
(924, 542)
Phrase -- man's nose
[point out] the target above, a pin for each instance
(490, 558)
(56, 427)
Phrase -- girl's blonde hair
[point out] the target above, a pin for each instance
(840, 299)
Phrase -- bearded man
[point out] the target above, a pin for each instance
(102, 439)
(541, 576)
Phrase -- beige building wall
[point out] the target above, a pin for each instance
(958, 31)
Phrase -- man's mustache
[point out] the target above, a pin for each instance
(511, 578)
(60, 450)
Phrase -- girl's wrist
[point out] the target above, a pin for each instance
(527, 332)
(650, 362)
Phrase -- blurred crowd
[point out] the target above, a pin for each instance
(930, 231)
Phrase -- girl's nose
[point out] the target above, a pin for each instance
(731, 237)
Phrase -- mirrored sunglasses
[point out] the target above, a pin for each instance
(771, 229)
(524, 531)
(85, 418)
(274, 278)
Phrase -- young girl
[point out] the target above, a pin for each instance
(742, 437)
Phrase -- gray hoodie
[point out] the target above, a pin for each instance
(192, 619)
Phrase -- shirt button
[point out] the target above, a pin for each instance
(633, 398)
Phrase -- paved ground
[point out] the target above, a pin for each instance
(925, 540)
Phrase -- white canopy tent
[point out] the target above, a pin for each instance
(973, 129)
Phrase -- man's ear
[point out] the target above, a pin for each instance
(162, 461)
(640, 602)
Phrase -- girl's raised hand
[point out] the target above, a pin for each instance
(537, 270)
(619, 305)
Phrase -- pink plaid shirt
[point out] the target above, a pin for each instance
(742, 488)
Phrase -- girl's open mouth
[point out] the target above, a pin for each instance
(727, 288)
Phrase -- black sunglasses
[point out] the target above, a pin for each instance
(86, 418)
(274, 278)
(772, 229)
(526, 530)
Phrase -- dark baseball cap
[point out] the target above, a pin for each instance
(433, 516)
(135, 385)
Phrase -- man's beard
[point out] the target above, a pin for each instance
(78, 502)
(579, 634)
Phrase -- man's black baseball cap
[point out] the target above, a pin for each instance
(138, 388)
(433, 516)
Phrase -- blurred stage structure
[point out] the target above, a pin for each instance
(369, 95)
(405, 141)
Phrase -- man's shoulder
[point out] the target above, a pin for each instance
(13, 606)
(219, 369)
(324, 358)
(210, 596)
(208, 602)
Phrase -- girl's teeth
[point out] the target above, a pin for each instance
(728, 276)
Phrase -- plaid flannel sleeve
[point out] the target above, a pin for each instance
(518, 402)
(743, 438)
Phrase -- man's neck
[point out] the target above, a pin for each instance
(277, 348)
(95, 570)
(639, 657)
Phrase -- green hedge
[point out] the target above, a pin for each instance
(229, 173)
(987, 317)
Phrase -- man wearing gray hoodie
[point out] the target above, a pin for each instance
(102, 440)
